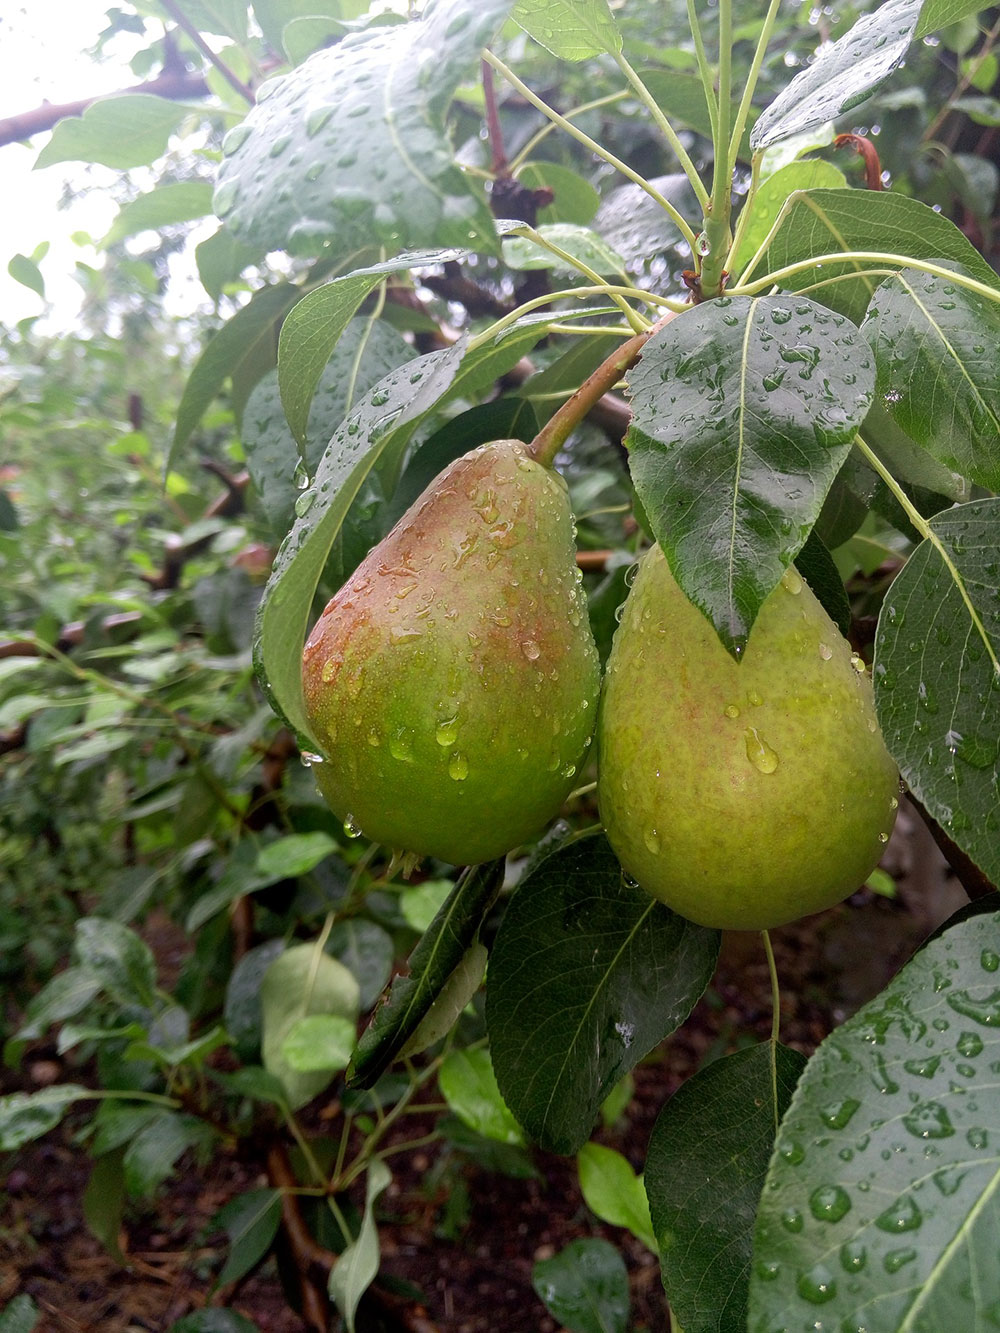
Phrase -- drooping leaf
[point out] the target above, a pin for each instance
(357, 1266)
(708, 1156)
(770, 198)
(942, 13)
(301, 982)
(164, 206)
(28, 1115)
(614, 1192)
(381, 422)
(935, 353)
(251, 1222)
(937, 677)
(439, 951)
(118, 957)
(469, 1086)
(842, 75)
(253, 327)
(881, 1207)
(827, 222)
(450, 1000)
(119, 132)
(587, 973)
(585, 1287)
(743, 410)
(570, 29)
(351, 146)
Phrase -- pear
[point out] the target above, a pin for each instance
(741, 794)
(452, 681)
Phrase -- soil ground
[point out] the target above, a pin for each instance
(462, 1238)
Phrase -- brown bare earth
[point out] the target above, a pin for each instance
(458, 1242)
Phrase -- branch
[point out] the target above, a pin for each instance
(175, 86)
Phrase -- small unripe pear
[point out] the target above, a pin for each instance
(452, 682)
(741, 794)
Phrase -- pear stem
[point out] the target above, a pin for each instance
(553, 435)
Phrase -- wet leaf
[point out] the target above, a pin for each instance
(570, 29)
(357, 1266)
(120, 132)
(585, 1287)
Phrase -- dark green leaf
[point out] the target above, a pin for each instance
(469, 1086)
(367, 950)
(62, 997)
(27, 273)
(937, 676)
(905, 458)
(370, 158)
(708, 1156)
(253, 326)
(121, 961)
(842, 75)
(815, 563)
(214, 1321)
(151, 1155)
(820, 222)
(935, 352)
(743, 410)
(251, 1221)
(586, 975)
(19, 1316)
(164, 206)
(295, 854)
(681, 97)
(585, 1287)
(881, 1208)
(120, 132)
(357, 1266)
(104, 1202)
(383, 421)
(28, 1115)
(438, 953)
(570, 29)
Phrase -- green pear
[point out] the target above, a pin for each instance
(741, 794)
(452, 681)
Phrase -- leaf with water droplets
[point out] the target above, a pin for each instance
(586, 975)
(842, 75)
(707, 1159)
(570, 29)
(351, 146)
(743, 410)
(585, 1287)
(935, 353)
(882, 1201)
(937, 677)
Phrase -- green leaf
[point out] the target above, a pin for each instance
(20, 1315)
(28, 1115)
(165, 206)
(980, 110)
(121, 961)
(295, 854)
(357, 1266)
(302, 981)
(905, 458)
(120, 132)
(585, 1287)
(27, 273)
(842, 75)
(435, 958)
(214, 1320)
(937, 676)
(469, 1086)
(523, 254)
(61, 997)
(681, 98)
(104, 1203)
(368, 950)
(587, 974)
(636, 227)
(881, 1207)
(237, 343)
(815, 563)
(450, 1001)
(770, 198)
(319, 1043)
(942, 13)
(743, 410)
(363, 355)
(614, 1192)
(383, 421)
(221, 259)
(370, 160)
(302, 36)
(274, 15)
(150, 1156)
(708, 1156)
(935, 354)
(820, 222)
(575, 199)
(570, 29)
(251, 1222)
(420, 905)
